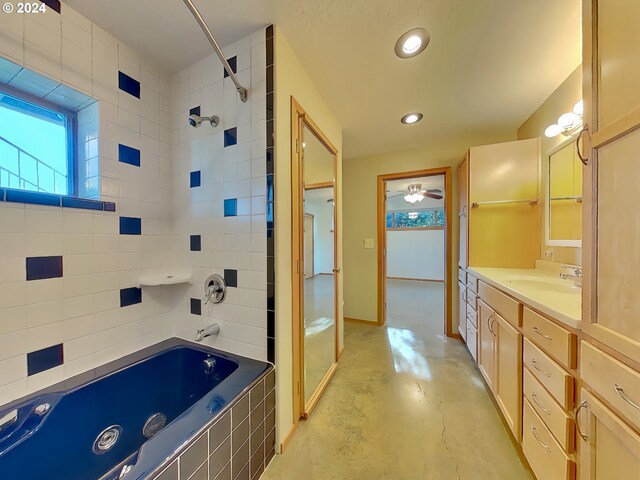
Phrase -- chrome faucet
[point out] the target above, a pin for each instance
(572, 272)
(213, 329)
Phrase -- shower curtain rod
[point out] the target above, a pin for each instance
(196, 14)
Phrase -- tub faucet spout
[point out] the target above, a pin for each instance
(213, 329)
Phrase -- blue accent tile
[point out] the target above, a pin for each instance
(128, 84)
(231, 207)
(40, 268)
(231, 278)
(196, 306)
(233, 63)
(230, 137)
(73, 202)
(36, 198)
(195, 243)
(109, 206)
(130, 296)
(270, 189)
(45, 359)
(128, 155)
(130, 226)
(2, 192)
(195, 111)
(270, 215)
(195, 179)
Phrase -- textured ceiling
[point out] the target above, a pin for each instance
(490, 63)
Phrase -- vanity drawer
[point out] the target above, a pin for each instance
(554, 417)
(472, 299)
(545, 455)
(616, 383)
(506, 306)
(551, 375)
(472, 316)
(462, 276)
(472, 340)
(561, 344)
(472, 283)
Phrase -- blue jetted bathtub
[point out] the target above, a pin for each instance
(135, 414)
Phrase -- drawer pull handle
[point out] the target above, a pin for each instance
(534, 430)
(535, 329)
(625, 397)
(543, 372)
(464, 296)
(580, 407)
(534, 397)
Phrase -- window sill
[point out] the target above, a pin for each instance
(54, 200)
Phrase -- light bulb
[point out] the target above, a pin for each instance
(411, 44)
(578, 108)
(568, 120)
(553, 130)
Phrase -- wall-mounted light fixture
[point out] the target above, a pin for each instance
(415, 194)
(567, 123)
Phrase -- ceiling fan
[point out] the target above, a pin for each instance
(415, 193)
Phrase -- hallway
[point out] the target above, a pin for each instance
(404, 404)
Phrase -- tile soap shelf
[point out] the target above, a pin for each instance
(158, 278)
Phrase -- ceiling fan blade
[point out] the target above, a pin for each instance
(433, 195)
(434, 190)
(396, 196)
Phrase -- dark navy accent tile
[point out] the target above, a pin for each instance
(130, 226)
(2, 192)
(52, 4)
(269, 31)
(195, 111)
(270, 189)
(231, 207)
(270, 79)
(40, 268)
(230, 137)
(269, 106)
(271, 296)
(231, 278)
(271, 350)
(109, 207)
(270, 137)
(270, 214)
(271, 244)
(128, 84)
(196, 306)
(270, 155)
(233, 63)
(128, 155)
(36, 198)
(130, 296)
(269, 46)
(73, 202)
(271, 324)
(195, 243)
(195, 179)
(45, 359)
(271, 271)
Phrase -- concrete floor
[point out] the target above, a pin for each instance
(405, 403)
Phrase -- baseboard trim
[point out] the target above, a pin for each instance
(416, 279)
(289, 436)
(361, 322)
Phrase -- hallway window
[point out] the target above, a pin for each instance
(417, 219)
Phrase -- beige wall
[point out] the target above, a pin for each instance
(292, 79)
(560, 101)
(360, 192)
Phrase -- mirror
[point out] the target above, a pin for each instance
(564, 197)
(319, 298)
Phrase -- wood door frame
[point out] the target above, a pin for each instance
(382, 239)
(300, 118)
(313, 270)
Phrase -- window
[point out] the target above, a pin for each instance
(37, 140)
(418, 219)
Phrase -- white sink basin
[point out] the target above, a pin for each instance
(544, 284)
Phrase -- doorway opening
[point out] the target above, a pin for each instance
(414, 250)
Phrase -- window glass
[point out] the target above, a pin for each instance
(416, 219)
(35, 141)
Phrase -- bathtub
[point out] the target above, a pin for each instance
(137, 415)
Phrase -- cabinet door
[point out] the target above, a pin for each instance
(463, 208)
(487, 343)
(611, 226)
(462, 309)
(509, 374)
(609, 449)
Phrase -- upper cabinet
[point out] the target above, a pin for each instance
(463, 210)
(611, 230)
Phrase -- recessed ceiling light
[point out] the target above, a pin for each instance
(412, 43)
(410, 118)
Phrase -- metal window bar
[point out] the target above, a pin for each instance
(501, 202)
(22, 181)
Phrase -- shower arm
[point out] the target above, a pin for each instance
(196, 14)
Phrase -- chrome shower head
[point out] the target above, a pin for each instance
(196, 120)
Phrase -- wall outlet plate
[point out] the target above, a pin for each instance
(368, 243)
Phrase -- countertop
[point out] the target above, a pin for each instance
(564, 306)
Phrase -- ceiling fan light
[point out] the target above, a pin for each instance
(553, 130)
(578, 108)
(568, 120)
